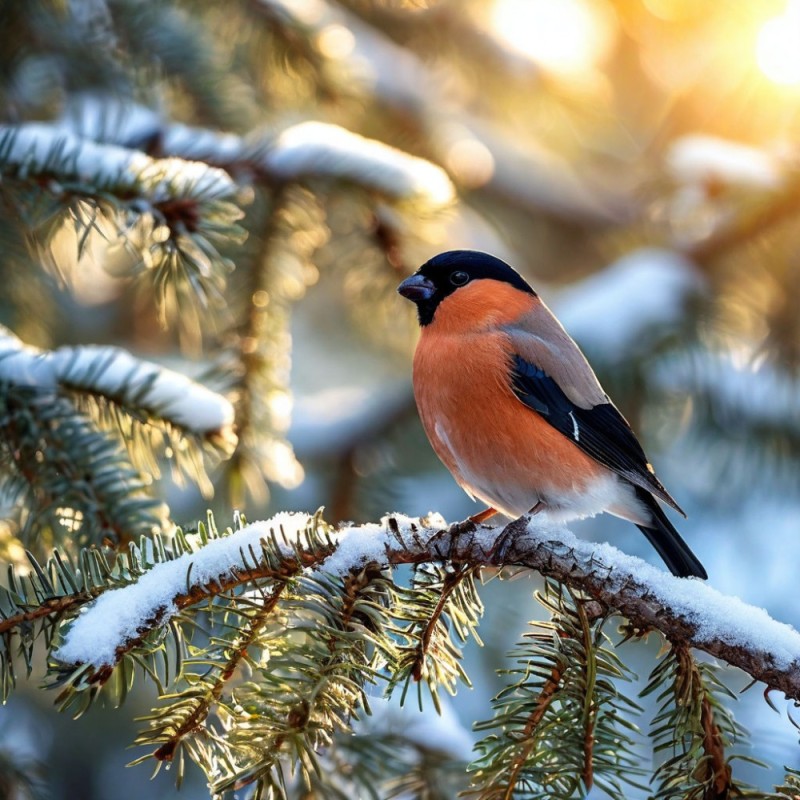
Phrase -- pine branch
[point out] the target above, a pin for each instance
(152, 410)
(306, 610)
(694, 730)
(558, 722)
(36, 599)
(546, 695)
(183, 210)
(443, 609)
(293, 228)
(647, 597)
(745, 416)
(303, 153)
(75, 478)
(183, 46)
(313, 681)
(66, 164)
(748, 225)
(236, 653)
(451, 583)
(531, 180)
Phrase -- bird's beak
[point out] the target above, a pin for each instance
(416, 288)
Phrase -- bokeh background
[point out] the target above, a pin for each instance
(638, 161)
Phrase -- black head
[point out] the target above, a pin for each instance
(447, 272)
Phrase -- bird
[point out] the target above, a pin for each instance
(513, 409)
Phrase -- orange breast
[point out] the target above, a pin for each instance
(497, 449)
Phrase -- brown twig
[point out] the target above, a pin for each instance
(716, 771)
(719, 768)
(238, 651)
(451, 582)
(542, 703)
(54, 607)
(590, 709)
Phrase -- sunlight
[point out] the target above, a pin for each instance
(565, 36)
(778, 46)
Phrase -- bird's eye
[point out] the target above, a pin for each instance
(458, 278)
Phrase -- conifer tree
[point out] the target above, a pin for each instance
(203, 202)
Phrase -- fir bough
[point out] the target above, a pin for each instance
(694, 730)
(564, 723)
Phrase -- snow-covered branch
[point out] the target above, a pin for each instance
(622, 310)
(316, 149)
(705, 167)
(739, 388)
(117, 376)
(685, 611)
(50, 151)
(298, 152)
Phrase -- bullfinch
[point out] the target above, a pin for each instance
(515, 412)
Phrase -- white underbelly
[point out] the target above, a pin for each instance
(583, 499)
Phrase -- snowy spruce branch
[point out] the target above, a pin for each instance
(686, 612)
(147, 390)
(297, 153)
(82, 432)
(45, 151)
(268, 642)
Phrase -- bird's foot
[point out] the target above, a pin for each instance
(540, 506)
(502, 546)
(452, 534)
(466, 526)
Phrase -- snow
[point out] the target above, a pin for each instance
(435, 99)
(23, 365)
(202, 144)
(699, 158)
(108, 118)
(118, 615)
(321, 149)
(36, 148)
(115, 373)
(360, 544)
(614, 311)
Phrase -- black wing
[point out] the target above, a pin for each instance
(601, 432)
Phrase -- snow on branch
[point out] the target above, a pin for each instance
(115, 374)
(306, 150)
(685, 611)
(118, 616)
(50, 150)
(699, 158)
(320, 149)
(106, 118)
(532, 177)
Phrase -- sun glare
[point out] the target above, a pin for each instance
(565, 36)
(778, 46)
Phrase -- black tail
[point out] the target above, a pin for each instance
(676, 554)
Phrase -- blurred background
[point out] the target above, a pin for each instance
(637, 161)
